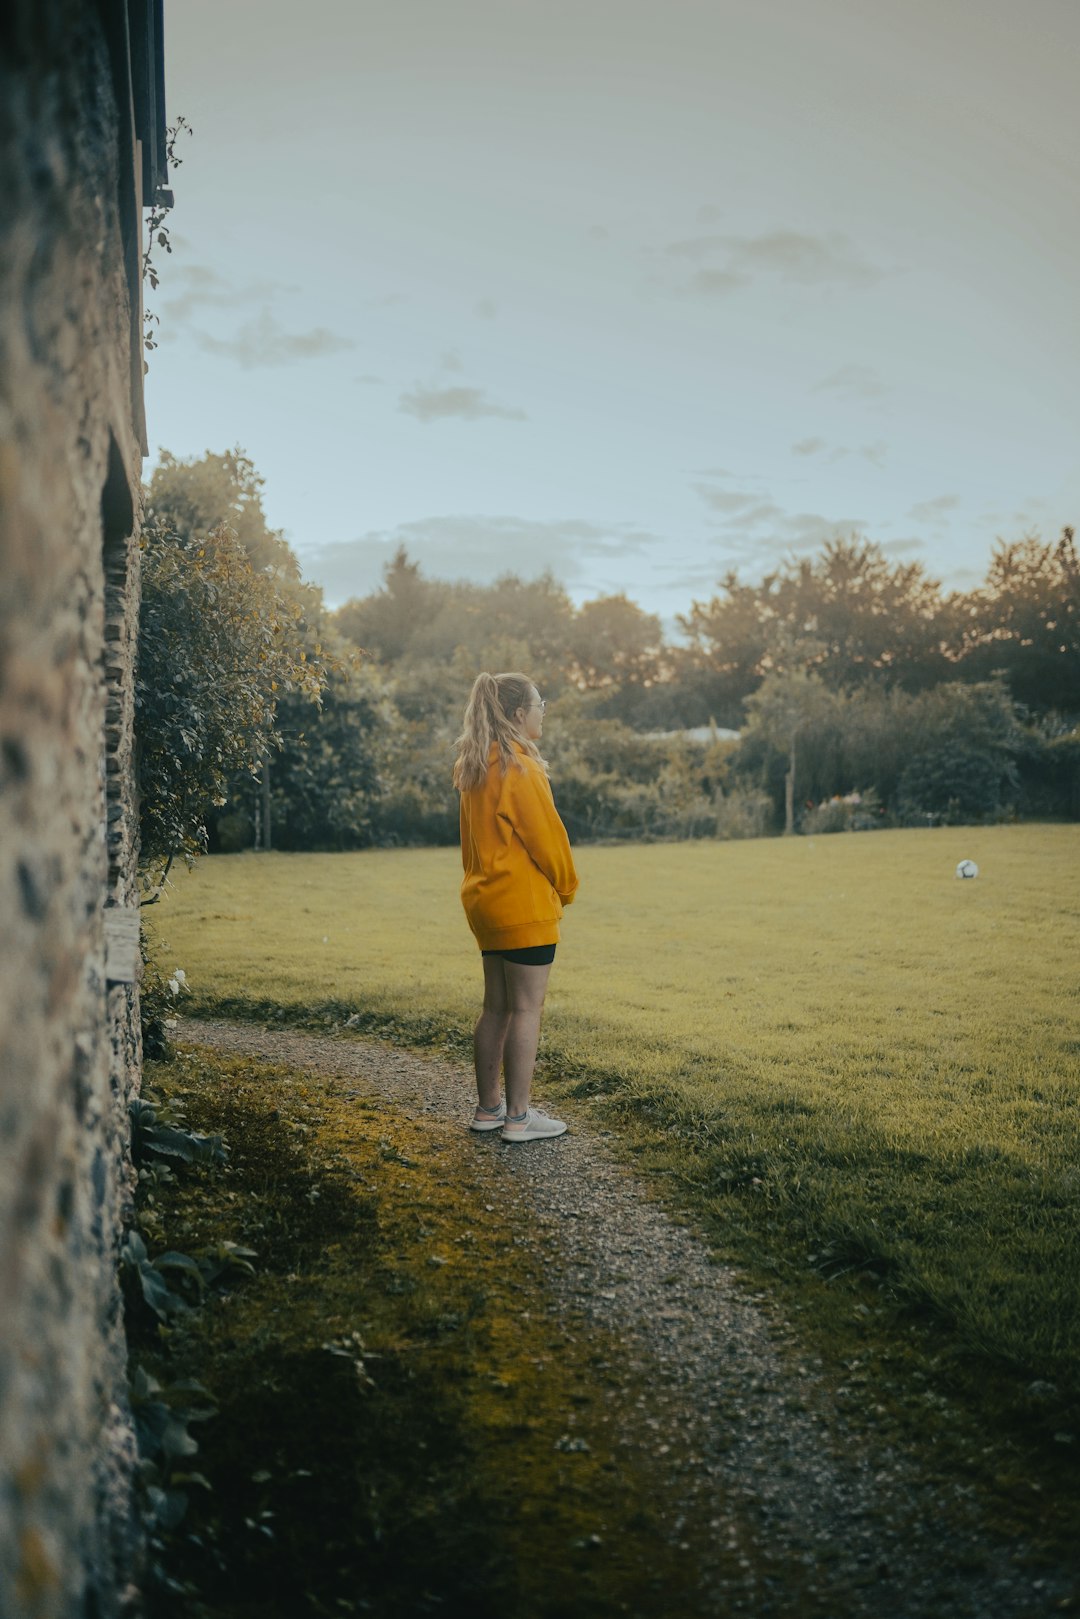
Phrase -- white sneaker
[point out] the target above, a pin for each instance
(488, 1119)
(535, 1126)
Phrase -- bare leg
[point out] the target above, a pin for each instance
(489, 1036)
(525, 991)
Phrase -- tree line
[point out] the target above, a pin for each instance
(863, 693)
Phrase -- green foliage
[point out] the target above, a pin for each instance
(907, 747)
(157, 230)
(955, 782)
(837, 665)
(785, 708)
(867, 618)
(158, 994)
(414, 623)
(162, 1291)
(162, 1414)
(235, 655)
(853, 812)
(788, 703)
(1024, 623)
(615, 645)
(613, 783)
(964, 741)
(325, 785)
(1049, 767)
(218, 642)
(151, 1275)
(158, 1131)
(195, 497)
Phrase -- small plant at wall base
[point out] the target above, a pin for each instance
(162, 1287)
(159, 993)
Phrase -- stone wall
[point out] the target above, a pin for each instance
(70, 447)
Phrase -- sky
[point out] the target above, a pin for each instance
(634, 293)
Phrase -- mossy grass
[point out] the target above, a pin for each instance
(402, 1427)
(855, 1069)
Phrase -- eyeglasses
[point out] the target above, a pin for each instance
(540, 704)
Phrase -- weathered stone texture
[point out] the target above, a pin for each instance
(70, 429)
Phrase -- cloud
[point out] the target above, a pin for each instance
(753, 530)
(726, 500)
(692, 577)
(904, 546)
(199, 286)
(467, 404)
(451, 361)
(717, 283)
(728, 263)
(486, 309)
(480, 549)
(369, 379)
(264, 342)
(817, 446)
(932, 511)
(858, 381)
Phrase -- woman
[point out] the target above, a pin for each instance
(519, 873)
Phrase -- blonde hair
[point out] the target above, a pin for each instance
(493, 701)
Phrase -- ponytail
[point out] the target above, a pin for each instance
(493, 701)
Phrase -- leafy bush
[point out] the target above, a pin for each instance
(949, 753)
(162, 1413)
(957, 782)
(856, 812)
(158, 1289)
(217, 643)
(1049, 767)
(158, 994)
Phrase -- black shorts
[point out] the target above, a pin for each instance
(536, 955)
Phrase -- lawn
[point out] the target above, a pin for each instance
(839, 1048)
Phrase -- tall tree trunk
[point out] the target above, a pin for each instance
(267, 841)
(789, 793)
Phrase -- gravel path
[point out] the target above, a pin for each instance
(750, 1453)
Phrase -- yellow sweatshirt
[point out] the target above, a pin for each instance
(519, 872)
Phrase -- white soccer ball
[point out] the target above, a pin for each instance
(967, 868)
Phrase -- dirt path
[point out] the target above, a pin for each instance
(756, 1475)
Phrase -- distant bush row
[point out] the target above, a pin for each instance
(861, 694)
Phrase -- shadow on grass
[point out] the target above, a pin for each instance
(391, 1434)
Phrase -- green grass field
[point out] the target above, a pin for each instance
(840, 1050)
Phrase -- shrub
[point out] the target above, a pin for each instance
(856, 812)
(159, 992)
(957, 782)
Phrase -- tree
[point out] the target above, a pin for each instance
(866, 617)
(614, 644)
(1024, 623)
(195, 497)
(385, 622)
(729, 642)
(325, 783)
(218, 643)
(962, 742)
(412, 621)
(781, 711)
